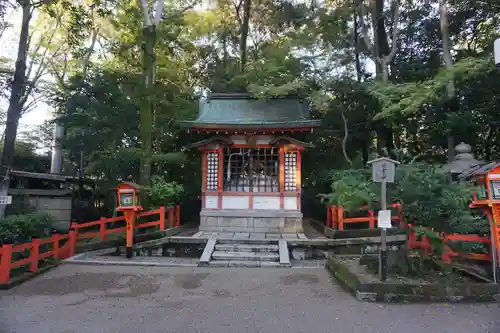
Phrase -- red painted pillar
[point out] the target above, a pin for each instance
(5, 262)
(162, 218)
(35, 255)
(55, 245)
(72, 242)
(177, 215)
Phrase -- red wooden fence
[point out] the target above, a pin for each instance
(423, 242)
(63, 246)
(335, 217)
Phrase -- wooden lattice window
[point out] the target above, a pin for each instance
(251, 169)
(290, 171)
(212, 171)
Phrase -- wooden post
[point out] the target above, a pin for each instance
(162, 218)
(333, 217)
(129, 230)
(35, 255)
(102, 229)
(72, 242)
(340, 217)
(328, 215)
(282, 177)
(177, 215)
(170, 217)
(55, 245)
(5, 262)
(371, 221)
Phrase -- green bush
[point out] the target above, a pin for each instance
(428, 196)
(22, 228)
(164, 193)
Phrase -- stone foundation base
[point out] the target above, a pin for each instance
(250, 221)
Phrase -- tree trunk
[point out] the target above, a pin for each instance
(366, 134)
(448, 61)
(18, 86)
(146, 109)
(15, 107)
(245, 27)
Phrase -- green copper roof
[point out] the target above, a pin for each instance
(243, 110)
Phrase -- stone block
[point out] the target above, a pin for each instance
(211, 221)
(273, 236)
(242, 263)
(283, 252)
(264, 222)
(270, 264)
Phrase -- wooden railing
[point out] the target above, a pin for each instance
(335, 217)
(64, 246)
(422, 242)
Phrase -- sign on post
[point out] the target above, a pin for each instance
(383, 170)
(384, 219)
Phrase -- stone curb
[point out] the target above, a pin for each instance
(410, 293)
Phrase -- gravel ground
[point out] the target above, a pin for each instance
(120, 299)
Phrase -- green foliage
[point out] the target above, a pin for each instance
(164, 193)
(428, 197)
(351, 189)
(22, 228)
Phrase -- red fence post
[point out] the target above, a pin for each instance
(177, 215)
(340, 217)
(35, 254)
(328, 216)
(102, 229)
(5, 262)
(162, 218)
(55, 245)
(71, 242)
(170, 217)
(371, 221)
(333, 217)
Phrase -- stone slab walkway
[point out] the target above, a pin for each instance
(111, 299)
(248, 235)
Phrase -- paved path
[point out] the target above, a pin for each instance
(96, 299)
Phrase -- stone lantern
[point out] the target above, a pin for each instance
(464, 160)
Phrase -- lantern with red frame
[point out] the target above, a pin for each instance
(128, 195)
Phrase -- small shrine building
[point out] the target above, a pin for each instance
(251, 162)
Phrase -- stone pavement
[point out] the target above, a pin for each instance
(249, 235)
(116, 299)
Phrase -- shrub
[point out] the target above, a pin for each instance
(428, 196)
(22, 228)
(164, 193)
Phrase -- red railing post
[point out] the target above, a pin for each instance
(333, 217)
(371, 219)
(162, 218)
(102, 228)
(35, 254)
(5, 262)
(177, 215)
(328, 216)
(71, 242)
(340, 217)
(55, 245)
(170, 217)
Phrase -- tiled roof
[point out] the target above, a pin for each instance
(243, 110)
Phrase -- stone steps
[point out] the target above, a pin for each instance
(245, 256)
(247, 247)
(245, 253)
